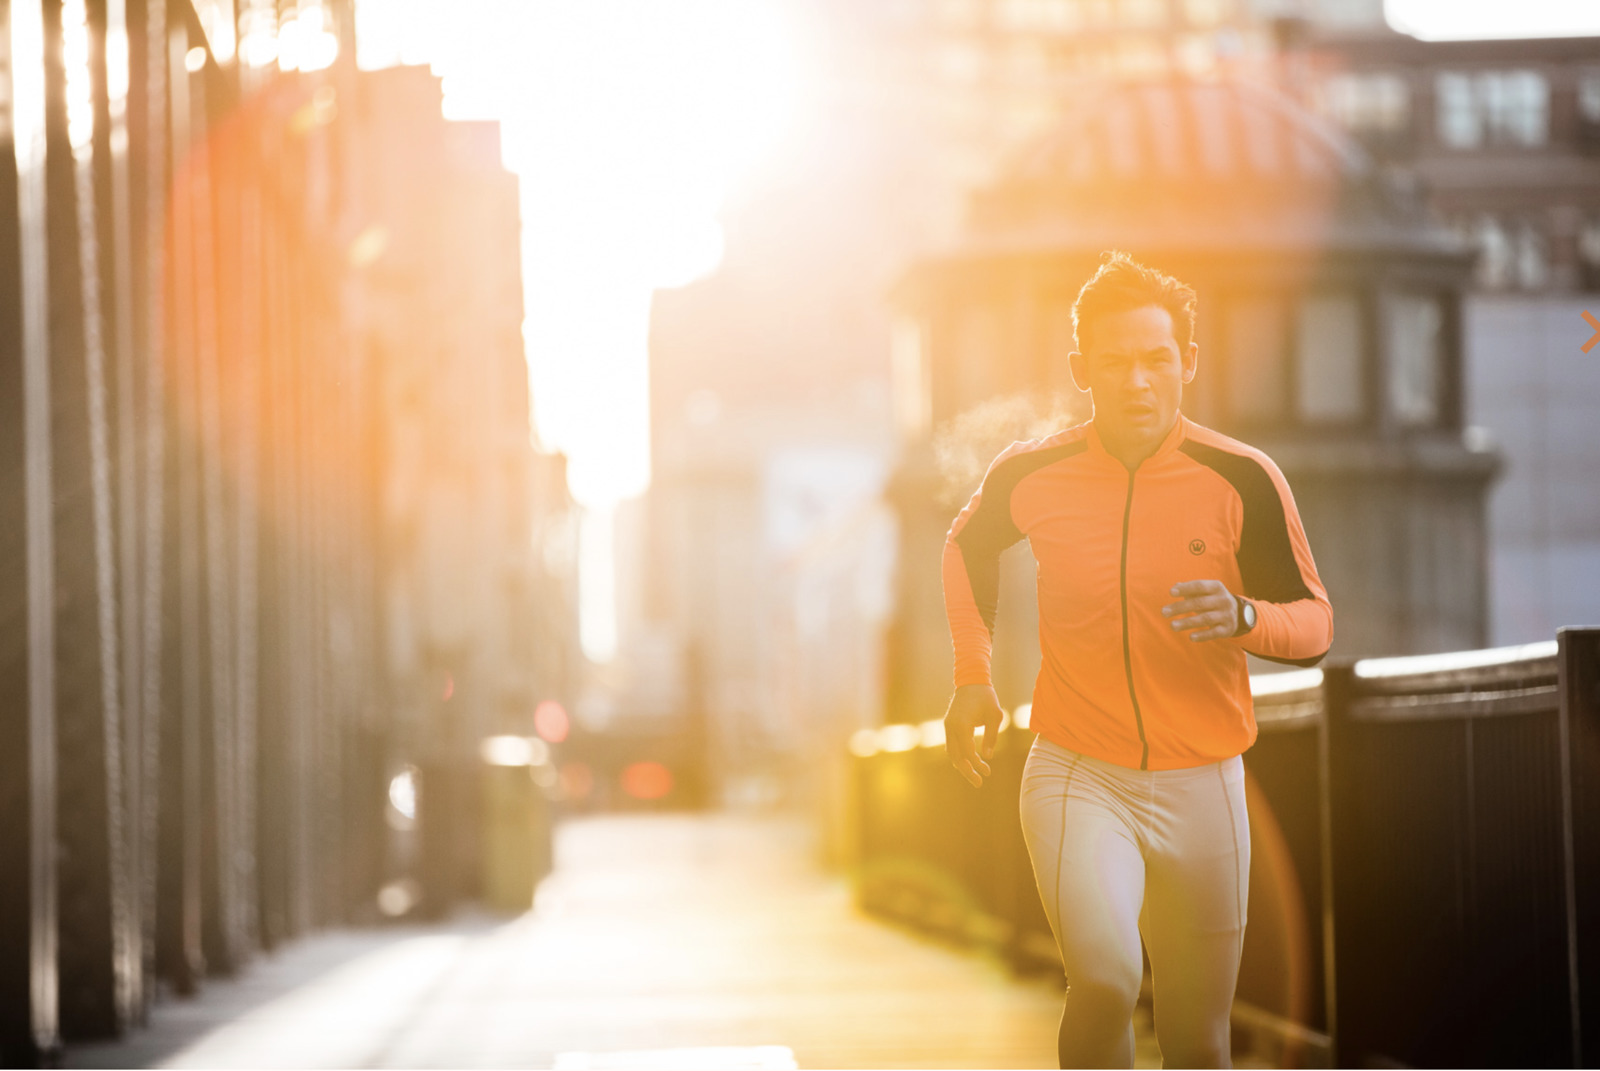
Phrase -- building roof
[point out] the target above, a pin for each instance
(1189, 163)
(1172, 130)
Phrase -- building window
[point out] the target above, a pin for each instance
(960, 14)
(1028, 61)
(1342, 15)
(1097, 14)
(1139, 56)
(1493, 108)
(1329, 382)
(1207, 13)
(913, 390)
(1144, 14)
(981, 362)
(1532, 257)
(1492, 270)
(1512, 254)
(961, 61)
(1368, 105)
(1255, 333)
(1589, 109)
(1589, 253)
(1414, 337)
(1050, 16)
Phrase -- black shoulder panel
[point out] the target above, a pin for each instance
(991, 530)
(1266, 556)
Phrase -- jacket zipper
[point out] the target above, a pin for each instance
(1127, 649)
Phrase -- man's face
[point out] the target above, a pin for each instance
(1134, 369)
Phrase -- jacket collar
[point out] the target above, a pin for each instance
(1173, 439)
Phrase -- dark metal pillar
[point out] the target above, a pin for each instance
(243, 401)
(147, 119)
(110, 55)
(220, 926)
(92, 889)
(272, 765)
(1578, 662)
(29, 1021)
(180, 957)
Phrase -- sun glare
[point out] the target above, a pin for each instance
(627, 121)
(1447, 19)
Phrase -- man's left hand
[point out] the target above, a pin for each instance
(1205, 605)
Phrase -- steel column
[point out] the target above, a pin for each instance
(29, 1020)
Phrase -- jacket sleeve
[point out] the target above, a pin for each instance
(1294, 619)
(971, 571)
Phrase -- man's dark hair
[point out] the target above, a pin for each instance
(1122, 283)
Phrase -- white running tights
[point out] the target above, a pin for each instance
(1118, 853)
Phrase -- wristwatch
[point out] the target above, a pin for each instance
(1247, 616)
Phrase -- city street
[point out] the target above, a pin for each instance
(469, 470)
(657, 936)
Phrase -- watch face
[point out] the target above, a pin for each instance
(1249, 615)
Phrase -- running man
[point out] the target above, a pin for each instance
(1165, 552)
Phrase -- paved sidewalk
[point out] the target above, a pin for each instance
(657, 934)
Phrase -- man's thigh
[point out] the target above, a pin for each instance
(1089, 869)
(1197, 896)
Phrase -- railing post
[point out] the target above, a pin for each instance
(1578, 675)
(1338, 679)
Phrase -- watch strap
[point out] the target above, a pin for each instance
(1245, 624)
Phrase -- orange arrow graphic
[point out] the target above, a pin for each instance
(1587, 315)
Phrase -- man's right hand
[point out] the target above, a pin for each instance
(972, 705)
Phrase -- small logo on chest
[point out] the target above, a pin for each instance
(1197, 546)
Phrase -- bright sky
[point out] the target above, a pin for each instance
(626, 121)
(1440, 19)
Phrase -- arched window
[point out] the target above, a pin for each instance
(1532, 257)
(1589, 253)
(913, 392)
(1413, 352)
(1492, 108)
(1255, 333)
(1589, 109)
(1495, 254)
(1330, 386)
(1374, 106)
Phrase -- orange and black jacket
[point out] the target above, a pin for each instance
(1116, 680)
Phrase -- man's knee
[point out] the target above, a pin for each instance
(1197, 1045)
(1103, 996)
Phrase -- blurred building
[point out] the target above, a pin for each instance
(765, 533)
(769, 564)
(1502, 135)
(1330, 336)
(1499, 137)
(989, 76)
(1349, 336)
(1504, 140)
(476, 561)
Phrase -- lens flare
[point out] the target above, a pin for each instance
(646, 780)
(403, 792)
(550, 721)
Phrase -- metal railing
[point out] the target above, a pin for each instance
(1446, 854)
(1425, 855)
